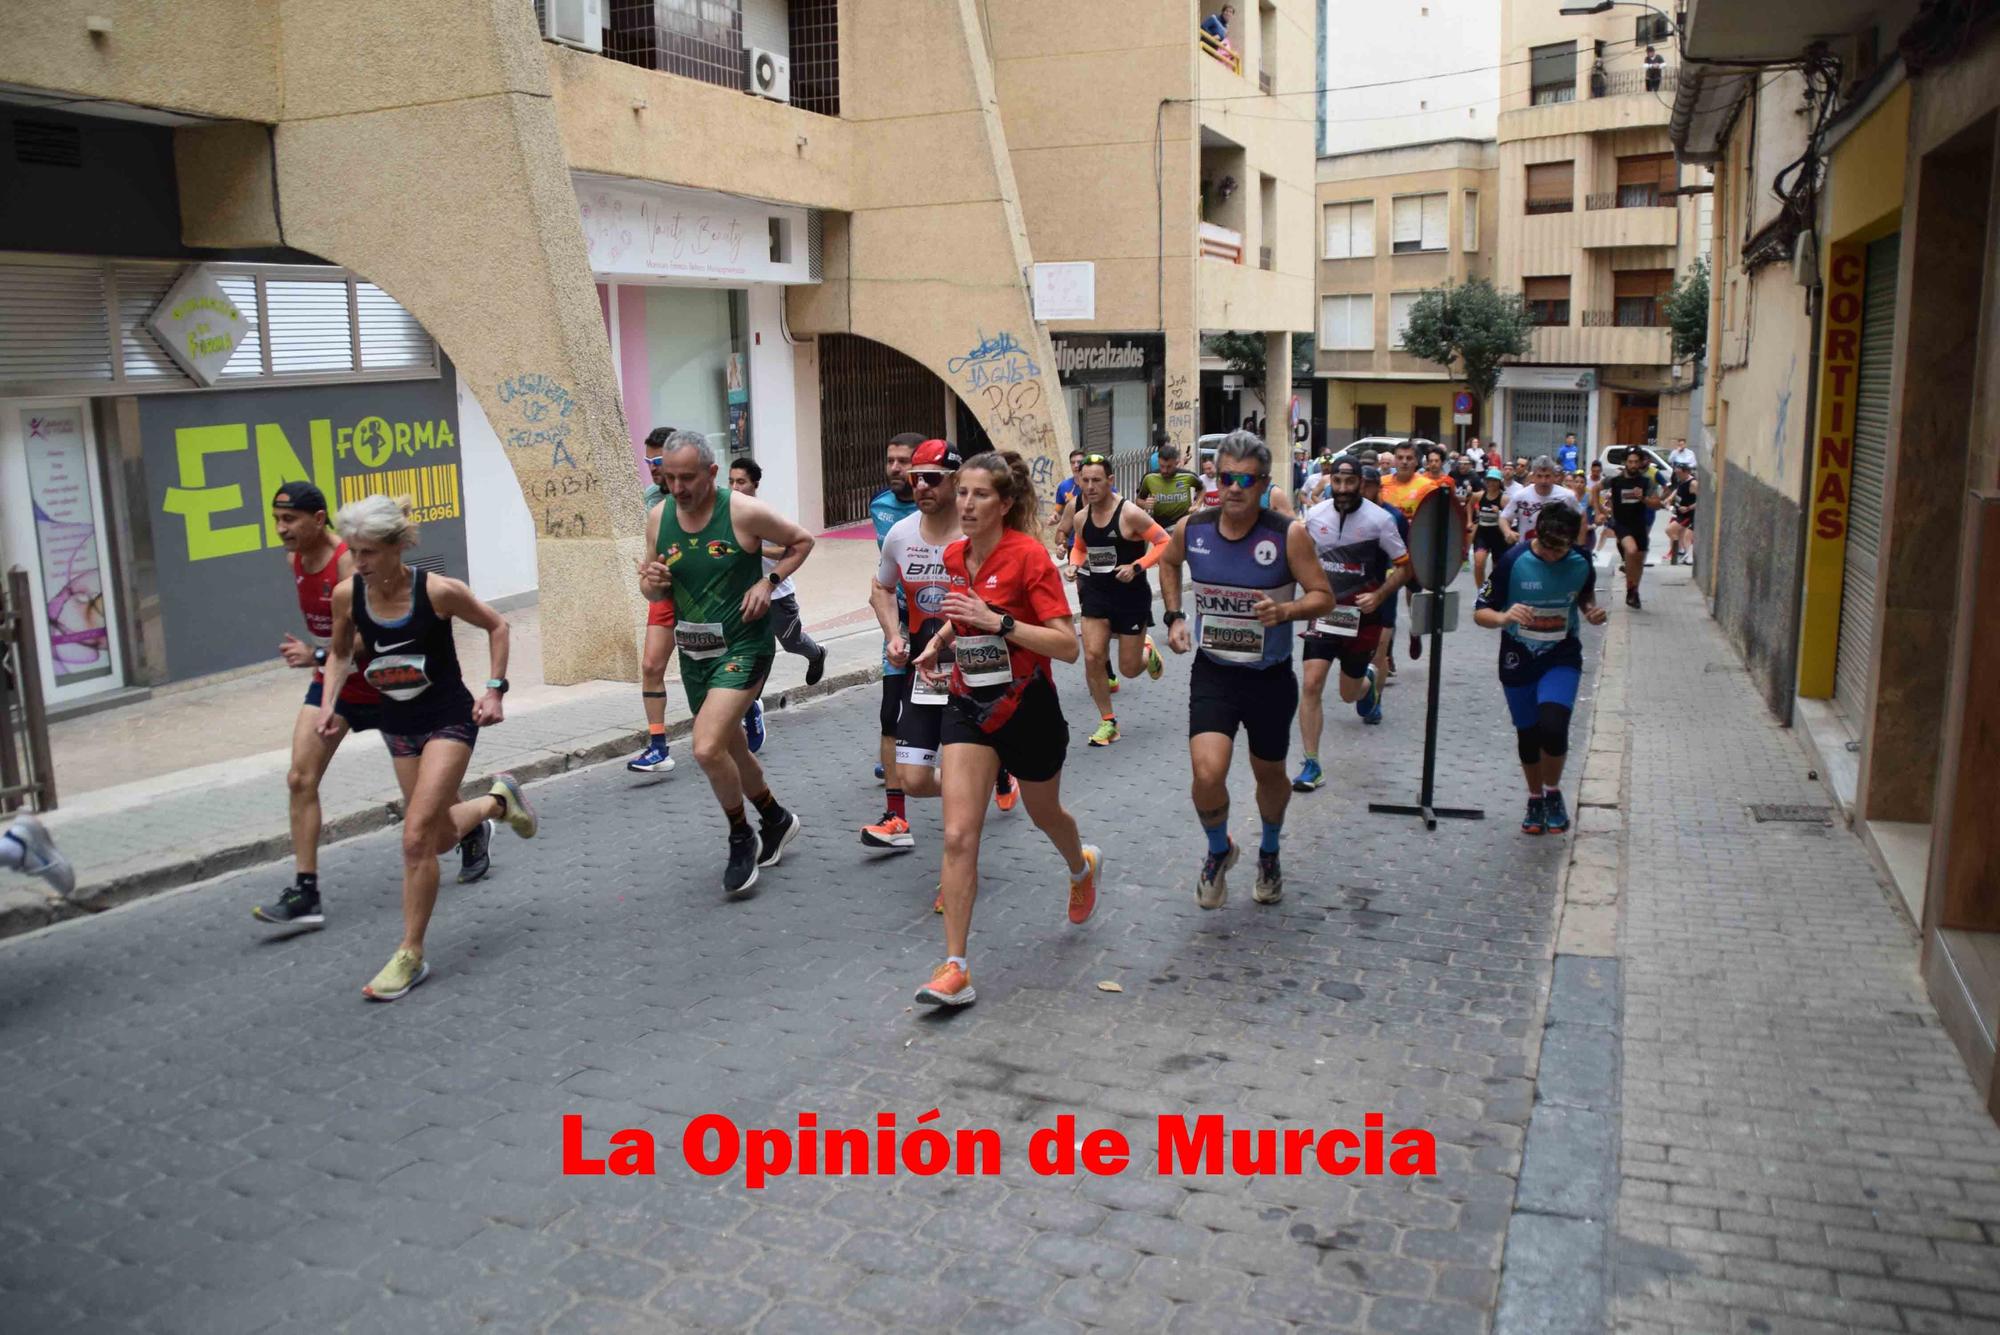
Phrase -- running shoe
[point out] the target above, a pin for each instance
(775, 835)
(514, 807)
(753, 726)
(1416, 647)
(1211, 889)
(1083, 893)
(1371, 700)
(937, 905)
(1155, 665)
(40, 856)
(296, 910)
(1536, 820)
(950, 985)
(1008, 795)
(1111, 682)
(1270, 887)
(741, 873)
(1106, 734)
(405, 969)
(816, 668)
(1632, 599)
(1555, 814)
(475, 857)
(892, 831)
(653, 760)
(1310, 777)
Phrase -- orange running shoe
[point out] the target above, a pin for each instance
(1009, 797)
(937, 905)
(891, 831)
(950, 985)
(1083, 893)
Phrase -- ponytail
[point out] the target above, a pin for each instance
(1012, 483)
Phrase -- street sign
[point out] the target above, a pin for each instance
(1425, 608)
(1437, 539)
(1461, 419)
(1461, 402)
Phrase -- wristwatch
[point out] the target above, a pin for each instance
(497, 684)
(1169, 618)
(1006, 625)
(319, 657)
(775, 578)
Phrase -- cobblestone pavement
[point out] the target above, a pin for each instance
(202, 1129)
(1801, 1148)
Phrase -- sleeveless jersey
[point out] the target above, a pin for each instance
(1486, 509)
(1106, 548)
(413, 662)
(711, 575)
(315, 588)
(1228, 577)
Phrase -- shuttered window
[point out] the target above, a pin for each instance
(1646, 179)
(1636, 295)
(1347, 323)
(310, 327)
(1399, 315)
(391, 338)
(53, 324)
(1551, 187)
(1554, 73)
(1350, 230)
(1420, 223)
(1469, 234)
(1854, 650)
(1547, 299)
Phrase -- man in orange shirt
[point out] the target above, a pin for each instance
(1406, 490)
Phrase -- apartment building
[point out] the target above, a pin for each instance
(1409, 72)
(472, 253)
(1854, 488)
(1595, 224)
(1394, 223)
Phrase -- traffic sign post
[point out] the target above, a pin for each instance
(1437, 547)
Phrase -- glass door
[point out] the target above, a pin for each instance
(52, 512)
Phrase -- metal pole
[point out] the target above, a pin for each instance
(28, 670)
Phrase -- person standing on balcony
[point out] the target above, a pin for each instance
(1216, 25)
(1656, 68)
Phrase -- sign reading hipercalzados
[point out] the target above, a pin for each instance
(1086, 357)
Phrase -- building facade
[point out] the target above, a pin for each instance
(1442, 55)
(1882, 468)
(1395, 222)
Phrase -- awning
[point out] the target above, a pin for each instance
(1705, 107)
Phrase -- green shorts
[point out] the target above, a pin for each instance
(727, 671)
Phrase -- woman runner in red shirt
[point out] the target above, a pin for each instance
(1007, 615)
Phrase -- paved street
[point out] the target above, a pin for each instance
(207, 1130)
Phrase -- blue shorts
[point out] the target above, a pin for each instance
(360, 718)
(1556, 686)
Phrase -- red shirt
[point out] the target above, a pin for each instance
(316, 602)
(1019, 579)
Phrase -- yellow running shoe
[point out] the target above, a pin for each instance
(514, 806)
(1106, 734)
(1155, 665)
(405, 969)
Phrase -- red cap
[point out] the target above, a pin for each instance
(937, 454)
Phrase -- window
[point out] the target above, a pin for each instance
(1371, 419)
(1551, 187)
(1554, 73)
(1548, 299)
(1347, 323)
(1427, 423)
(1399, 315)
(1418, 223)
(1350, 230)
(1651, 28)
(1636, 295)
(1470, 232)
(1646, 180)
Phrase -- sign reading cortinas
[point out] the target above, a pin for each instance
(199, 325)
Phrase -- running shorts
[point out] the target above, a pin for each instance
(726, 672)
(1261, 701)
(1641, 535)
(895, 688)
(403, 745)
(1489, 540)
(1353, 652)
(661, 614)
(360, 717)
(1128, 607)
(1032, 742)
(1555, 686)
(918, 728)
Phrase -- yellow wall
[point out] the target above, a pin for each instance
(1398, 396)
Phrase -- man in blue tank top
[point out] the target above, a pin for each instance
(1245, 564)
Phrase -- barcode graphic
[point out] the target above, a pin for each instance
(432, 491)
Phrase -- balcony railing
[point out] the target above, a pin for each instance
(1628, 197)
(1630, 313)
(1221, 243)
(1551, 206)
(1223, 52)
(706, 42)
(1623, 83)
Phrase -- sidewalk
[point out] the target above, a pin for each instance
(191, 783)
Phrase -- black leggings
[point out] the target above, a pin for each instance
(1549, 736)
(894, 685)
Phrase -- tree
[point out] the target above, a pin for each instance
(1472, 325)
(1244, 355)
(1686, 309)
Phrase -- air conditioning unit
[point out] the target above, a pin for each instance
(577, 23)
(770, 74)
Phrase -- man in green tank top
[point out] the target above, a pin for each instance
(708, 548)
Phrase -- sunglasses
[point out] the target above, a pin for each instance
(1096, 459)
(1246, 481)
(653, 463)
(929, 477)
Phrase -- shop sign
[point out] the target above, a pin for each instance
(66, 538)
(641, 231)
(1581, 378)
(1833, 469)
(212, 463)
(1087, 358)
(199, 325)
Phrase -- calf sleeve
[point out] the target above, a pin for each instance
(1552, 727)
(1528, 744)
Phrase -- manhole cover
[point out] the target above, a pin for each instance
(1792, 813)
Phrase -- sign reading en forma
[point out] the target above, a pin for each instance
(1833, 469)
(638, 230)
(213, 462)
(199, 325)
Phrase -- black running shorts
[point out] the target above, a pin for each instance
(1642, 534)
(1353, 652)
(1261, 701)
(918, 729)
(1032, 742)
(1128, 607)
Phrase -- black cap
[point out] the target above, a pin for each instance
(301, 496)
(1370, 473)
(1345, 466)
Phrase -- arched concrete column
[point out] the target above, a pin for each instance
(459, 204)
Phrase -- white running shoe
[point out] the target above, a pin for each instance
(40, 856)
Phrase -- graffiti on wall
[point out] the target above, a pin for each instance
(538, 420)
(997, 376)
(1180, 414)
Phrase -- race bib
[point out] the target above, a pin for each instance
(398, 676)
(1546, 626)
(983, 660)
(700, 639)
(1489, 519)
(1100, 560)
(1230, 631)
(923, 692)
(1342, 621)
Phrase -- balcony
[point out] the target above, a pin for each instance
(1222, 52)
(1630, 313)
(1606, 224)
(705, 41)
(1625, 83)
(1221, 243)
(1605, 344)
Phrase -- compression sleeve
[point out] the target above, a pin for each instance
(1157, 536)
(1077, 556)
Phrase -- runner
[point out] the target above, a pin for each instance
(1406, 491)
(1579, 487)
(1436, 457)
(1169, 492)
(392, 623)
(891, 506)
(1008, 616)
(1597, 510)
(1360, 547)
(1319, 486)
(1681, 499)
(1385, 645)
(1537, 590)
(708, 557)
(1245, 565)
(659, 644)
(26, 846)
(319, 563)
(1115, 545)
(787, 622)
(1518, 518)
(1568, 457)
(1067, 488)
(1211, 486)
(1681, 456)
(1487, 540)
(1634, 497)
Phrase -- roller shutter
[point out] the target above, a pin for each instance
(1856, 646)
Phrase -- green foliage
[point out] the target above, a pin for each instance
(1686, 308)
(1471, 325)
(1243, 354)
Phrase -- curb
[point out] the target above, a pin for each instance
(29, 910)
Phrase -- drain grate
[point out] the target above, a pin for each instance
(1721, 667)
(1790, 813)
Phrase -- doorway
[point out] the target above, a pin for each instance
(1371, 419)
(1426, 423)
(1638, 419)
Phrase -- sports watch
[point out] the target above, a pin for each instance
(497, 684)
(319, 657)
(1006, 625)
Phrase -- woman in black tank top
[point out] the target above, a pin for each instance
(394, 623)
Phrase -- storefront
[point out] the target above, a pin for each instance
(1113, 387)
(1542, 404)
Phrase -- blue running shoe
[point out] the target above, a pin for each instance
(1310, 777)
(1555, 815)
(653, 760)
(753, 726)
(1535, 821)
(1370, 701)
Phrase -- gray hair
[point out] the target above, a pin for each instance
(379, 521)
(1245, 445)
(1543, 461)
(690, 440)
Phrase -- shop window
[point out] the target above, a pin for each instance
(1350, 230)
(1554, 73)
(1547, 299)
(1551, 187)
(1419, 223)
